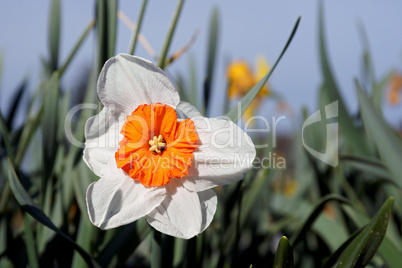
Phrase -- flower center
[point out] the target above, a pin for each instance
(156, 147)
(158, 144)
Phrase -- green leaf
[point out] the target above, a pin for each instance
(212, 47)
(314, 214)
(138, 28)
(388, 144)
(106, 21)
(49, 127)
(5, 135)
(31, 123)
(353, 137)
(236, 112)
(362, 249)
(168, 40)
(366, 164)
(16, 102)
(54, 33)
(111, 14)
(284, 254)
(30, 207)
(368, 66)
(1, 68)
(29, 129)
(192, 95)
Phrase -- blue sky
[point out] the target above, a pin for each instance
(248, 29)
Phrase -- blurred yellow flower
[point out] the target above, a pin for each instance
(242, 79)
(395, 88)
(286, 185)
(290, 188)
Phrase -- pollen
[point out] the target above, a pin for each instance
(156, 147)
(157, 144)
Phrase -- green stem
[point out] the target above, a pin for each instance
(156, 247)
(77, 46)
(137, 30)
(30, 242)
(5, 195)
(172, 27)
(238, 222)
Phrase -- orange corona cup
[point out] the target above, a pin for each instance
(156, 147)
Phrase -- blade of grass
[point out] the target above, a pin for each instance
(193, 81)
(212, 47)
(111, 13)
(54, 33)
(49, 128)
(87, 30)
(236, 112)
(1, 69)
(106, 21)
(134, 39)
(10, 154)
(101, 31)
(31, 123)
(6, 138)
(365, 164)
(28, 131)
(168, 40)
(15, 102)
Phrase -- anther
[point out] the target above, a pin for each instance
(158, 144)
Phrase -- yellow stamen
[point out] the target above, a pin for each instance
(157, 144)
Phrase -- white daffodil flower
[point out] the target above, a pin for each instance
(157, 157)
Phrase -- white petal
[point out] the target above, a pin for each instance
(225, 153)
(183, 214)
(116, 199)
(102, 136)
(127, 81)
(185, 110)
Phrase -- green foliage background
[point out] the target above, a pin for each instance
(345, 216)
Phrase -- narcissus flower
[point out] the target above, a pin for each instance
(395, 89)
(157, 157)
(241, 79)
